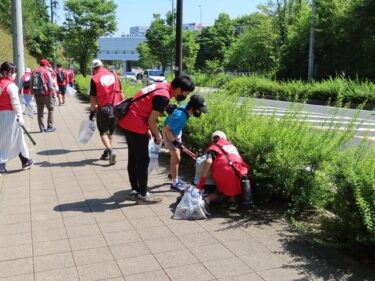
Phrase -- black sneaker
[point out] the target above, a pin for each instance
(112, 157)
(2, 168)
(105, 155)
(27, 165)
(232, 206)
(43, 130)
(133, 196)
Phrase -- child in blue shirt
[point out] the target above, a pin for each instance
(172, 132)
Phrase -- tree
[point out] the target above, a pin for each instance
(215, 40)
(190, 51)
(159, 41)
(86, 21)
(146, 59)
(254, 51)
(39, 32)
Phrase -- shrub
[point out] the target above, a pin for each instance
(336, 91)
(353, 204)
(295, 163)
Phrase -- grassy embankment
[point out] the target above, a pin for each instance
(6, 50)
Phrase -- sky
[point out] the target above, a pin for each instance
(139, 12)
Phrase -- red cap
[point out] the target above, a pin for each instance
(44, 62)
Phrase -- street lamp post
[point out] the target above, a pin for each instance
(17, 33)
(310, 70)
(178, 66)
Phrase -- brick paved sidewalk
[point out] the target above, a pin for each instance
(67, 219)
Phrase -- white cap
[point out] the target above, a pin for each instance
(219, 134)
(96, 63)
(27, 70)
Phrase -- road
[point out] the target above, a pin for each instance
(318, 115)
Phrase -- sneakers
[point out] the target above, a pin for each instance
(112, 157)
(179, 179)
(2, 168)
(148, 199)
(180, 186)
(43, 130)
(50, 130)
(27, 165)
(105, 155)
(232, 206)
(133, 196)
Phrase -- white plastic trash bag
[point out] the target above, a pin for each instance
(153, 153)
(86, 131)
(70, 91)
(191, 206)
(29, 110)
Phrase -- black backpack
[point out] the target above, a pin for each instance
(60, 76)
(38, 87)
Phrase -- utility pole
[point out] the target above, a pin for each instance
(17, 37)
(178, 66)
(53, 5)
(310, 71)
(200, 7)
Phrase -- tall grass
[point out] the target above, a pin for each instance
(297, 164)
(6, 50)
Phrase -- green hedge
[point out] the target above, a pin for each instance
(336, 91)
(294, 163)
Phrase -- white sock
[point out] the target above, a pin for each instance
(174, 181)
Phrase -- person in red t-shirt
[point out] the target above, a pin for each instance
(140, 122)
(70, 73)
(24, 88)
(62, 81)
(105, 91)
(227, 168)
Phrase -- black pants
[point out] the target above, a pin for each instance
(138, 160)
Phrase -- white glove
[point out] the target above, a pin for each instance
(20, 122)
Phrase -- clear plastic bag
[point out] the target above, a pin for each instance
(29, 110)
(191, 206)
(70, 91)
(153, 152)
(86, 130)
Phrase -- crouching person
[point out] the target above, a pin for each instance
(227, 169)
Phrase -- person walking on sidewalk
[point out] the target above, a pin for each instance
(172, 132)
(62, 81)
(105, 91)
(141, 118)
(12, 142)
(25, 90)
(71, 79)
(42, 87)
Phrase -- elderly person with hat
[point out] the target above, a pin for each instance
(105, 92)
(45, 96)
(12, 142)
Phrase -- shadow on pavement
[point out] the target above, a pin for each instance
(64, 151)
(79, 163)
(98, 205)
